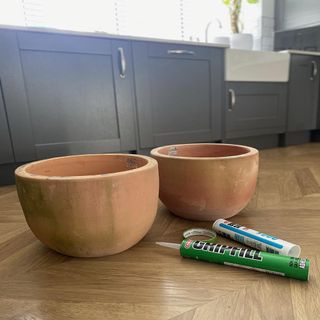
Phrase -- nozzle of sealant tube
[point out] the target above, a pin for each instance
(255, 239)
(290, 267)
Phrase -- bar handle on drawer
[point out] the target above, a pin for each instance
(123, 64)
(314, 69)
(232, 99)
(186, 52)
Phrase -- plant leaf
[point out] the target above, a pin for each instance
(226, 2)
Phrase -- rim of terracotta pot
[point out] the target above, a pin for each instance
(22, 171)
(247, 151)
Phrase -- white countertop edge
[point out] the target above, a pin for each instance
(309, 53)
(110, 36)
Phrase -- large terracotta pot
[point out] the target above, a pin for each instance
(206, 181)
(89, 205)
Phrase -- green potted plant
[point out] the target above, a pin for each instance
(238, 39)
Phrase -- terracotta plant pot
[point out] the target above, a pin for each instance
(89, 205)
(206, 181)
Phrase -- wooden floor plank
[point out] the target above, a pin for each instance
(307, 181)
(150, 282)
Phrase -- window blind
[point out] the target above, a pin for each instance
(34, 12)
(166, 19)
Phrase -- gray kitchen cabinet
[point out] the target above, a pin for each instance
(6, 152)
(303, 93)
(178, 93)
(14, 97)
(284, 40)
(255, 108)
(78, 94)
(307, 39)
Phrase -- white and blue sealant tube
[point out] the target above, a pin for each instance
(255, 239)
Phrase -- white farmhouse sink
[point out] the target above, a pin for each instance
(256, 66)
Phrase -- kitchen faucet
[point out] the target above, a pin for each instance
(208, 26)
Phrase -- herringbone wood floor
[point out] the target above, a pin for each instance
(149, 282)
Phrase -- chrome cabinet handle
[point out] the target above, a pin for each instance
(314, 69)
(123, 64)
(187, 52)
(232, 99)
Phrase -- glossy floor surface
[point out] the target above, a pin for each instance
(150, 282)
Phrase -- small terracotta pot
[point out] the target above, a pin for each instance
(89, 205)
(206, 181)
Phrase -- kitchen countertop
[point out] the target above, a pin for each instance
(110, 36)
(152, 282)
(310, 53)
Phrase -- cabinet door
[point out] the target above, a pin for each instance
(78, 102)
(255, 108)
(178, 92)
(303, 94)
(6, 154)
(15, 97)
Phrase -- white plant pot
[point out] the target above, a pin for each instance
(221, 40)
(241, 41)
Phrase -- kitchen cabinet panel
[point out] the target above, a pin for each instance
(6, 152)
(284, 40)
(77, 100)
(307, 39)
(71, 97)
(255, 109)
(178, 92)
(303, 93)
(13, 89)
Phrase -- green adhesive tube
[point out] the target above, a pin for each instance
(256, 260)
